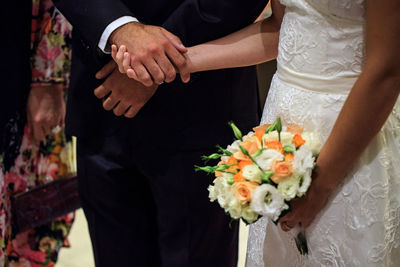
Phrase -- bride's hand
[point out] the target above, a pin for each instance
(305, 209)
(122, 57)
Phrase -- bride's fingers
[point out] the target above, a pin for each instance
(126, 63)
(287, 222)
(114, 51)
(127, 67)
(120, 58)
(284, 226)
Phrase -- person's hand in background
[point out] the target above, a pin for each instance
(45, 110)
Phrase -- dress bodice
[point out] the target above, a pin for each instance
(347, 9)
(322, 41)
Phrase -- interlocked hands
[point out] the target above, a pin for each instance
(144, 57)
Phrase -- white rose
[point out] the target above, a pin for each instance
(252, 173)
(268, 202)
(222, 190)
(286, 138)
(234, 147)
(249, 215)
(304, 183)
(271, 136)
(225, 159)
(211, 193)
(288, 188)
(267, 158)
(312, 142)
(249, 134)
(234, 208)
(303, 160)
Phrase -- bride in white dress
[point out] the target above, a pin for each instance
(339, 75)
(321, 56)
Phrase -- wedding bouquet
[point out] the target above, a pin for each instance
(261, 172)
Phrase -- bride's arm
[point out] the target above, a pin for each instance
(254, 44)
(366, 109)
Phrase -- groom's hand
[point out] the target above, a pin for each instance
(153, 50)
(121, 94)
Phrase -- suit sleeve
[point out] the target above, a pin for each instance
(194, 21)
(90, 17)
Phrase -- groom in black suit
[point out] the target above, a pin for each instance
(144, 203)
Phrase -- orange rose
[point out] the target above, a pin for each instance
(239, 177)
(298, 140)
(244, 163)
(232, 160)
(289, 157)
(274, 145)
(282, 170)
(242, 190)
(233, 169)
(261, 128)
(251, 144)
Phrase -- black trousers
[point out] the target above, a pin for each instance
(146, 206)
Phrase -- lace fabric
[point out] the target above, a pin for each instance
(360, 226)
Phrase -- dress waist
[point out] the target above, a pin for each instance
(320, 84)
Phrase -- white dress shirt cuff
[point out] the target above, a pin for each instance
(104, 44)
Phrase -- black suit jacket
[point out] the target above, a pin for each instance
(15, 67)
(15, 76)
(190, 115)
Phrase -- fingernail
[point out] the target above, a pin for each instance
(98, 75)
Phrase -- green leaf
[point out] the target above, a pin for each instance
(224, 151)
(210, 157)
(257, 153)
(278, 125)
(207, 169)
(223, 167)
(212, 169)
(230, 182)
(288, 149)
(244, 151)
(236, 131)
(266, 177)
(270, 128)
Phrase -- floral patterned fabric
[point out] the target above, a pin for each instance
(36, 165)
(51, 44)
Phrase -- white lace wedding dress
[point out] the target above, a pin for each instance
(321, 54)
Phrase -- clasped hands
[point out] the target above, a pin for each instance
(144, 57)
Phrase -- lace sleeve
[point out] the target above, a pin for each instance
(50, 44)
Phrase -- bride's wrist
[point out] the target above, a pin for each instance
(191, 59)
(324, 178)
